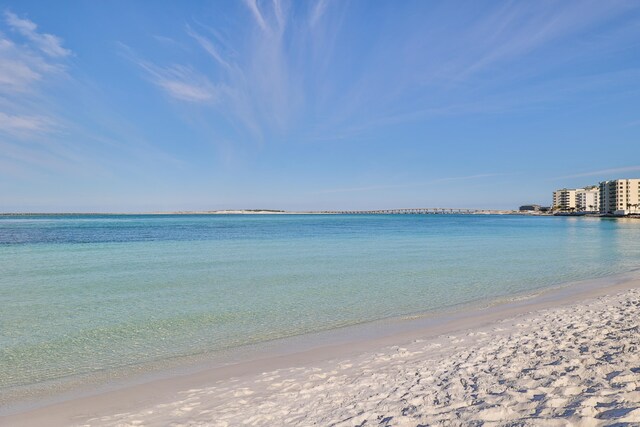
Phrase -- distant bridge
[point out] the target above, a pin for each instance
(424, 211)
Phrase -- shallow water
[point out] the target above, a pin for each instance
(82, 294)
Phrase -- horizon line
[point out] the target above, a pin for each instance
(255, 211)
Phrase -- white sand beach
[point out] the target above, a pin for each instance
(549, 362)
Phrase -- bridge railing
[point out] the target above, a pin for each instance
(425, 211)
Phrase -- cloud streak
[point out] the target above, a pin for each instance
(28, 64)
(602, 172)
(276, 79)
(409, 185)
(25, 125)
(255, 11)
(182, 83)
(249, 83)
(317, 11)
(21, 69)
(47, 43)
(209, 47)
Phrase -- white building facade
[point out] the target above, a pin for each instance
(620, 197)
(564, 199)
(588, 199)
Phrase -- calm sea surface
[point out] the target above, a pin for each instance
(82, 294)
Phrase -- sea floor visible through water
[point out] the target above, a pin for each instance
(94, 302)
(549, 350)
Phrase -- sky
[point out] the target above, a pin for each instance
(138, 106)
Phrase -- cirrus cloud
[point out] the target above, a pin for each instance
(47, 43)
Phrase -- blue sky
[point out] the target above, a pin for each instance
(148, 106)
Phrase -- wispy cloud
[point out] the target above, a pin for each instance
(208, 46)
(14, 73)
(369, 188)
(278, 10)
(36, 128)
(183, 83)
(317, 11)
(468, 177)
(510, 33)
(295, 71)
(47, 43)
(21, 68)
(257, 14)
(494, 47)
(602, 172)
(249, 83)
(42, 131)
(24, 125)
(27, 66)
(408, 184)
(168, 41)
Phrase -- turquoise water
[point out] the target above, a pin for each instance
(82, 294)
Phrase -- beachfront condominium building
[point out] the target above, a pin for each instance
(588, 199)
(577, 199)
(620, 197)
(564, 199)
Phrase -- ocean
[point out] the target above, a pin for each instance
(86, 294)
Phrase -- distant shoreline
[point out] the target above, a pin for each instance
(262, 212)
(282, 212)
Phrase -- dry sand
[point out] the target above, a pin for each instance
(570, 364)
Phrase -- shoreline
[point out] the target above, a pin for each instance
(271, 212)
(485, 212)
(337, 345)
